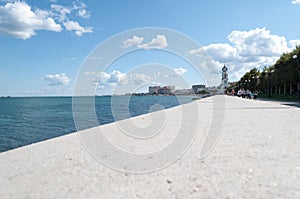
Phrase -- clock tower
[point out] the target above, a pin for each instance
(224, 81)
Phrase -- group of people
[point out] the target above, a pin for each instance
(245, 94)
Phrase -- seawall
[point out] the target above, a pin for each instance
(256, 156)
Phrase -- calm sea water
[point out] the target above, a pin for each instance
(32, 119)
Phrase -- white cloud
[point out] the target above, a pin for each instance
(134, 41)
(159, 42)
(247, 49)
(110, 80)
(118, 82)
(294, 43)
(84, 13)
(115, 76)
(19, 20)
(295, 1)
(179, 71)
(125, 82)
(135, 79)
(57, 79)
(79, 30)
(258, 42)
(107, 78)
(60, 12)
(80, 7)
(223, 52)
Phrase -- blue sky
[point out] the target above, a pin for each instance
(44, 43)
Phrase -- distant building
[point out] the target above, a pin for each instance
(166, 90)
(198, 88)
(153, 90)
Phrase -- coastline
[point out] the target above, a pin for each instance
(44, 118)
(256, 152)
(108, 125)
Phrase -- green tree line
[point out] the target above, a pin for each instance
(281, 78)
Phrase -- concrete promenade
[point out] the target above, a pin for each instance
(257, 156)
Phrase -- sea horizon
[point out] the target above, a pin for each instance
(17, 96)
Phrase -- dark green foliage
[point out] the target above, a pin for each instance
(283, 76)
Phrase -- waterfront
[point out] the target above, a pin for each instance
(26, 120)
(257, 156)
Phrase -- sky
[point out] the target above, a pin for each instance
(45, 44)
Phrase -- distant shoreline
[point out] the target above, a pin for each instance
(69, 96)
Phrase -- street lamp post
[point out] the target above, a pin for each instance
(269, 82)
(256, 82)
(298, 62)
(255, 78)
(254, 87)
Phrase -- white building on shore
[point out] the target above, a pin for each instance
(153, 90)
(166, 90)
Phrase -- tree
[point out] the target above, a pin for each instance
(284, 76)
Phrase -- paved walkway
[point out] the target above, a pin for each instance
(283, 102)
(257, 156)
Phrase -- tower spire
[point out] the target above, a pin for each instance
(224, 81)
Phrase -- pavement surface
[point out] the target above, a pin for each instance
(283, 102)
(257, 155)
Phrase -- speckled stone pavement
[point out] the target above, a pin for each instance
(257, 156)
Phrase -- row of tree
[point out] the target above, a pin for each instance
(280, 78)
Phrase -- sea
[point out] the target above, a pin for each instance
(27, 120)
